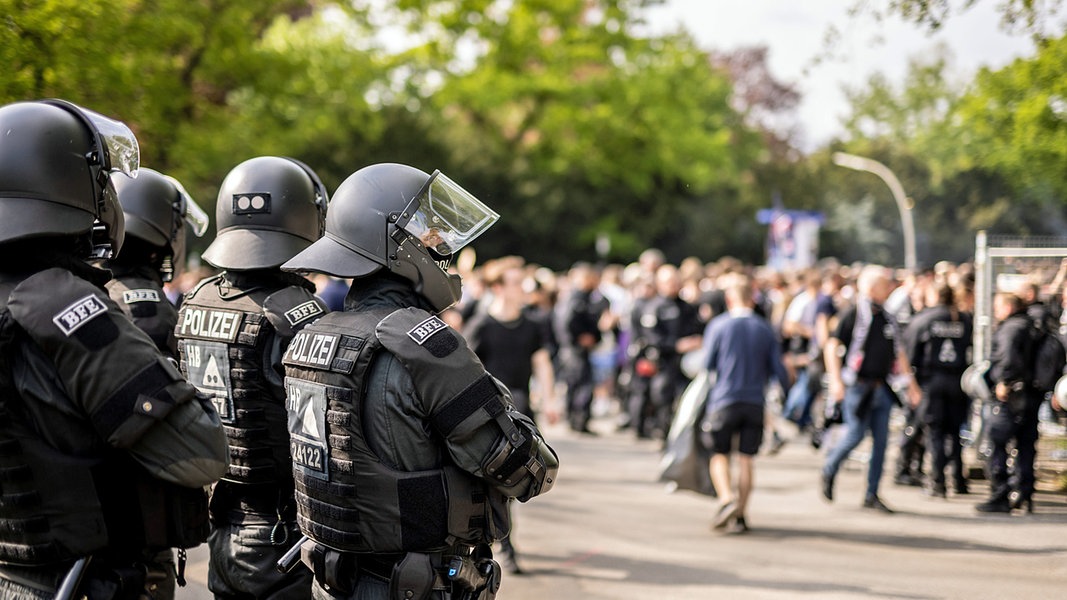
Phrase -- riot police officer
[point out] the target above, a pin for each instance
(156, 208)
(405, 450)
(1013, 415)
(106, 448)
(939, 345)
(233, 329)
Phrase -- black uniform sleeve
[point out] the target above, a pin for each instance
(468, 408)
(113, 372)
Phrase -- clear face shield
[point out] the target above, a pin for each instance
(188, 210)
(115, 149)
(445, 217)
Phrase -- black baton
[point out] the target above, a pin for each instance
(291, 557)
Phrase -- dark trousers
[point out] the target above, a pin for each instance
(577, 373)
(912, 445)
(943, 410)
(1007, 424)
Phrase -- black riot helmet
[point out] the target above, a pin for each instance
(156, 208)
(269, 208)
(56, 161)
(399, 218)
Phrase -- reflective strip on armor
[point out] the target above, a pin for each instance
(207, 366)
(209, 324)
(306, 404)
(142, 295)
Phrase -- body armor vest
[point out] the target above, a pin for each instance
(64, 493)
(224, 338)
(347, 498)
(143, 300)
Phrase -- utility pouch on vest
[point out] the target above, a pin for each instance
(184, 522)
(334, 571)
(413, 577)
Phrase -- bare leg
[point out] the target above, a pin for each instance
(720, 477)
(744, 483)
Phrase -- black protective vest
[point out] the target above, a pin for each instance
(64, 493)
(224, 342)
(143, 300)
(347, 498)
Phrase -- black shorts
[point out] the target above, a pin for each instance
(733, 427)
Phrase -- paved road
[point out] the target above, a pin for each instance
(609, 530)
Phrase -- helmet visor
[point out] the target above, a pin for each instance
(447, 216)
(120, 149)
(189, 210)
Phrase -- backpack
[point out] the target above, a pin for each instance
(1049, 357)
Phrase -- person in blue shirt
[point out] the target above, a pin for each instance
(743, 351)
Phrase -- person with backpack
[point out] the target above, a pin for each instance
(1013, 416)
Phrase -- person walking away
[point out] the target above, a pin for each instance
(577, 325)
(1013, 416)
(939, 341)
(405, 449)
(859, 357)
(233, 329)
(106, 447)
(743, 351)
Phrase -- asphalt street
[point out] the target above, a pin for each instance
(610, 530)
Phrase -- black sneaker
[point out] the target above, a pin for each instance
(875, 503)
(994, 505)
(828, 487)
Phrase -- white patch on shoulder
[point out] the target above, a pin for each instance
(425, 330)
(79, 313)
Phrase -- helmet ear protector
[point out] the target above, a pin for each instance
(114, 148)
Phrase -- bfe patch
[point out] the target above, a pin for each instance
(434, 335)
(71, 318)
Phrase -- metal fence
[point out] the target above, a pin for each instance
(1003, 263)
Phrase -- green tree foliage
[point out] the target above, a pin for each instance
(987, 154)
(1031, 17)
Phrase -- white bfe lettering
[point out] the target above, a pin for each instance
(312, 349)
(78, 314)
(422, 332)
(211, 324)
(303, 311)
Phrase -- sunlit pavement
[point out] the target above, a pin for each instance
(610, 530)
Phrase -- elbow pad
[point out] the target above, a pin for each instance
(522, 464)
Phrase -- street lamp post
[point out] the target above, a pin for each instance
(861, 163)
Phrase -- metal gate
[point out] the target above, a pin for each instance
(1002, 263)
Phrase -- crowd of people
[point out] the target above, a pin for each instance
(323, 388)
(856, 343)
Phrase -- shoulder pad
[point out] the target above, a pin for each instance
(438, 359)
(291, 308)
(407, 329)
(56, 301)
(196, 288)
